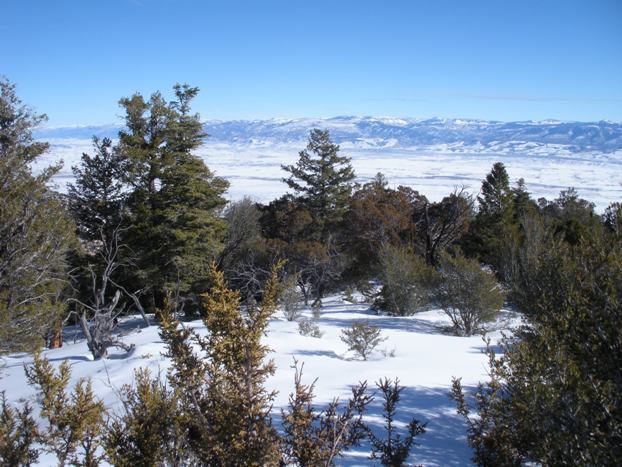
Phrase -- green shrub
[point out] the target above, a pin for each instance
(362, 338)
(407, 281)
(467, 294)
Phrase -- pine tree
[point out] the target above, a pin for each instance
(495, 224)
(97, 197)
(175, 199)
(323, 180)
(35, 232)
(495, 193)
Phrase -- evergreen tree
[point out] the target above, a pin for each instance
(495, 194)
(495, 224)
(553, 397)
(314, 437)
(323, 180)
(74, 420)
(175, 199)
(35, 232)
(97, 197)
(18, 435)
(220, 378)
(148, 432)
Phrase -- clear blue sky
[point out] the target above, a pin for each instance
(504, 60)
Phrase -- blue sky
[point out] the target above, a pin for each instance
(503, 60)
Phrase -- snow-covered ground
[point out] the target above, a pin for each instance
(425, 359)
(435, 170)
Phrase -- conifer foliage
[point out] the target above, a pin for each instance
(35, 232)
(222, 387)
(97, 197)
(174, 199)
(553, 394)
(394, 450)
(74, 420)
(317, 438)
(323, 181)
(362, 338)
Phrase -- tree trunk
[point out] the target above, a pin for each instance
(56, 337)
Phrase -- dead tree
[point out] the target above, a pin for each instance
(99, 317)
(441, 224)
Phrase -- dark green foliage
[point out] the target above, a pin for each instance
(148, 432)
(314, 438)
(35, 233)
(311, 221)
(495, 197)
(362, 338)
(323, 181)
(612, 218)
(487, 432)
(469, 295)
(573, 218)
(175, 199)
(407, 281)
(18, 435)
(243, 232)
(494, 226)
(553, 397)
(394, 450)
(97, 197)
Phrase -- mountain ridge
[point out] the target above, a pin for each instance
(601, 136)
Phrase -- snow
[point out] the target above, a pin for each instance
(426, 357)
(434, 170)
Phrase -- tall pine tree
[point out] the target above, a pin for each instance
(495, 224)
(323, 181)
(175, 199)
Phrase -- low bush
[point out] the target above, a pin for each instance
(469, 295)
(307, 327)
(407, 281)
(362, 338)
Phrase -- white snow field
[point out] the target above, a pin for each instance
(254, 169)
(425, 359)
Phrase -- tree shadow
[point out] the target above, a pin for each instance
(316, 353)
(77, 358)
(127, 325)
(444, 442)
(396, 323)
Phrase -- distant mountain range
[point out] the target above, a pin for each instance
(600, 136)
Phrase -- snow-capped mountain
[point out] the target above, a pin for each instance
(600, 136)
